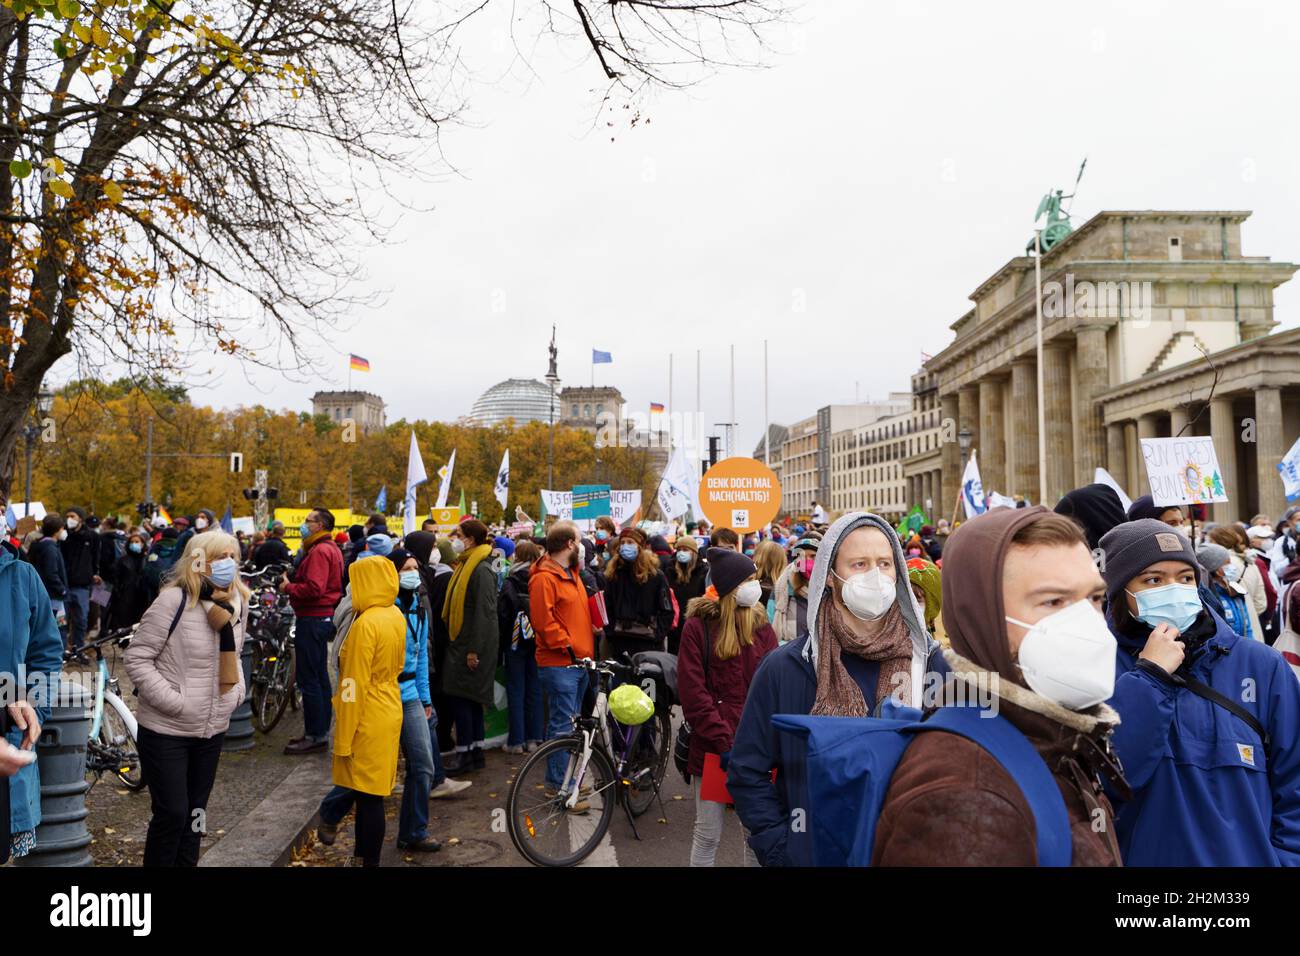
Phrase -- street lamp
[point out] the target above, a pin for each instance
(44, 402)
(963, 441)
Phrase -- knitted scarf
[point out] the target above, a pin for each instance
(887, 641)
(220, 614)
(453, 608)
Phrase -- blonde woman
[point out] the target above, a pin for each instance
(722, 644)
(184, 661)
(769, 559)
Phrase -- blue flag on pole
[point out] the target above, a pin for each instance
(598, 357)
(228, 521)
(381, 499)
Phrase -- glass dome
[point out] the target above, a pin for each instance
(523, 399)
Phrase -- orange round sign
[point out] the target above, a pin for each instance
(742, 494)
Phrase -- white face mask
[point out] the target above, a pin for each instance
(458, 545)
(1232, 571)
(868, 595)
(1069, 656)
(73, 522)
(747, 594)
(200, 523)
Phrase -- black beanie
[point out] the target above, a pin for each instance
(727, 569)
(1145, 507)
(1128, 548)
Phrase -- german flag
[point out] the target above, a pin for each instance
(358, 364)
(656, 407)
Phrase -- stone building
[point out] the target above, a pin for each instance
(364, 408)
(799, 468)
(598, 410)
(776, 435)
(923, 462)
(886, 465)
(1131, 300)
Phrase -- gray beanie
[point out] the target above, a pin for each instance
(1128, 548)
(1212, 556)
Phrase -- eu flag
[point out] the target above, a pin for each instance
(598, 357)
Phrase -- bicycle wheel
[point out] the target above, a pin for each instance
(278, 690)
(647, 765)
(117, 740)
(260, 677)
(541, 827)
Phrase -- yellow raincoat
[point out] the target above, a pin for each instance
(368, 704)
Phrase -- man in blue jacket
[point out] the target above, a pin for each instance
(1207, 718)
(866, 634)
(30, 647)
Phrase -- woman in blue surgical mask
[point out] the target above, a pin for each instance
(637, 597)
(1206, 716)
(184, 661)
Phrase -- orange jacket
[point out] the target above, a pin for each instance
(557, 608)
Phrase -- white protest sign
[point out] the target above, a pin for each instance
(1183, 471)
(623, 505)
(558, 503)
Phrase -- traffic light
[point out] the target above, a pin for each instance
(713, 449)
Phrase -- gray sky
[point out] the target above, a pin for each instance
(887, 161)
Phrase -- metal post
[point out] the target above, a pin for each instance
(767, 425)
(732, 422)
(670, 400)
(1042, 407)
(148, 465)
(259, 505)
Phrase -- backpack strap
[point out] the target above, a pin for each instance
(1010, 748)
(1204, 690)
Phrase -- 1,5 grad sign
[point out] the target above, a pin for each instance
(742, 494)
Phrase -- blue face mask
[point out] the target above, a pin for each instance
(409, 580)
(749, 552)
(304, 530)
(602, 535)
(223, 571)
(136, 547)
(1175, 604)
(628, 552)
(683, 557)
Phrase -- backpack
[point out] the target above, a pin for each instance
(1288, 639)
(160, 560)
(850, 761)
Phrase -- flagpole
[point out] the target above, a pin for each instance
(699, 422)
(767, 425)
(731, 429)
(1042, 411)
(670, 400)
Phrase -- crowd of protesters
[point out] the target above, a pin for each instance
(1124, 673)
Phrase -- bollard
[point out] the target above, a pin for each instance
(61, 837)
(240, 734)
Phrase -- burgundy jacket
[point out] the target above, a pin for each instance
(713, 708)
(316, 586)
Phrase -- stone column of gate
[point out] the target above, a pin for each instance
(992, 447)
(1058, 422)
(1224, 430)
(1136, 479)
(1115, 463)
(968, 417)
(1024, 410)
(1177, 419)
(1269, 448)
(949, 452)
(1091, 378)
(927, 493)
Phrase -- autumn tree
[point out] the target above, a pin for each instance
(188, 177)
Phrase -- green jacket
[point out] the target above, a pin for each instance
(478, 633)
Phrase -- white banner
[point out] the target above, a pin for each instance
(996, 500)
(501, 491)
(1183, 471)
(1289, 467)
(623, 505)
(558, 503)
(1103, 477)
(972, 490)
(415, 476)
(678, 486)
(444, 489)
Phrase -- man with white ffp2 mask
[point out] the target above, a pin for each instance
(1022, 606)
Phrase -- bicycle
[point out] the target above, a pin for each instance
(271, 629)
(604, 763)
(111, 747)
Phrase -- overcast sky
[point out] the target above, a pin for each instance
(888, 160)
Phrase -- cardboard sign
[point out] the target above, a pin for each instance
(446, 519)
(590, 501)
(1183, 471)
(742, 494)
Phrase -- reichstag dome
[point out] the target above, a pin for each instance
(523, 399)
